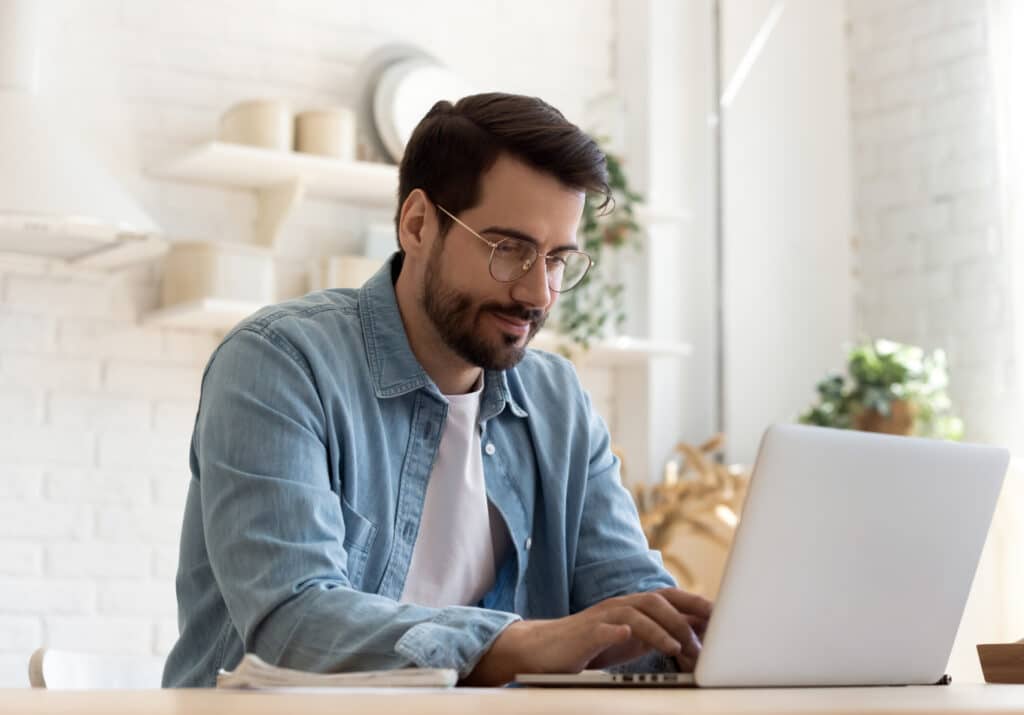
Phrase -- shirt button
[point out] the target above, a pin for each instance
(529, 542)
(490, 449)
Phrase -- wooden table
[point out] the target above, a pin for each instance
(968, 698)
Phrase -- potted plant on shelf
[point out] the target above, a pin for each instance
(594, 308)
(890, 388)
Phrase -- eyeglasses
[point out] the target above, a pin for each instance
(512, 258)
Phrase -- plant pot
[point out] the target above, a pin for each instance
(900, 420)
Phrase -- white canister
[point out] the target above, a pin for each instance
(265, 123)
(327, 132)
(197, 270)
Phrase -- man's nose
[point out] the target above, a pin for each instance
(533, 289)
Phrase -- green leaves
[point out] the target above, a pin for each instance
(880, 373)
(585, 313)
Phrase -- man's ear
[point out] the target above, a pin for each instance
(417, 224)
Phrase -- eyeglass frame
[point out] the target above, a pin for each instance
(494, 245)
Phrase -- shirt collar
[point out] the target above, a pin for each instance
(394, 367)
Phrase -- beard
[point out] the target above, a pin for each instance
(455, 316)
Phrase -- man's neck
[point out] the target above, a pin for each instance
(451, 374)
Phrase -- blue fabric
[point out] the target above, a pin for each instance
(314, 440)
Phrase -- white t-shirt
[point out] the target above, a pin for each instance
(461, 534)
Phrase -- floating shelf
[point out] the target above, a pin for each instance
(100, 251)
(246, 167)
(220, 315)
(123, 252)
(613, 352)
(282, 179)
(213, 314)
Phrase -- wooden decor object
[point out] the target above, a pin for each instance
(691, 516)
(1002, 662)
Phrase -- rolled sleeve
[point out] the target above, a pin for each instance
(456, 638)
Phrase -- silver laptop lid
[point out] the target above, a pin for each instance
(852, 561)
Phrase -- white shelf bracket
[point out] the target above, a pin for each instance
(275, 205)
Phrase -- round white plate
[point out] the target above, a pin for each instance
(405, 93)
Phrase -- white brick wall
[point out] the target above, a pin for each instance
(931, 257)
(930, 265)
(93, 559)
(20, 632)
(20, 559)
(96, 410)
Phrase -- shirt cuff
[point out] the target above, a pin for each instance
(634, 573)
(457, 638)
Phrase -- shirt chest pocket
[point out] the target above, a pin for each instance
(359, 535)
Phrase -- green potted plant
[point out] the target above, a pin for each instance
(889, 387)
(586, 313)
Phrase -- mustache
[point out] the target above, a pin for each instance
(519, 312)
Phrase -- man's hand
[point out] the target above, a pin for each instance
(615, 631)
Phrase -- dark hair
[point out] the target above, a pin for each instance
(455, 144)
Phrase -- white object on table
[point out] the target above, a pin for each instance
(253, 672)
(70, 670)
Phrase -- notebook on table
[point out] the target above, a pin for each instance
(254, 673)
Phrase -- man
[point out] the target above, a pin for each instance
(387, 478)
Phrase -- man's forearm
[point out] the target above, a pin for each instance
(504, 659)
(339, 629)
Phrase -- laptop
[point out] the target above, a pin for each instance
(851, 564)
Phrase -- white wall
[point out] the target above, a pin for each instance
(931, 259)
(664, 50)
(786, 213)
(929, 255)
(788, 305)
(97, 411)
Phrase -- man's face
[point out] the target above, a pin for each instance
(487, 323)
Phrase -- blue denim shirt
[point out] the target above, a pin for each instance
(314, 440)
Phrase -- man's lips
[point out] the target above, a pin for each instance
(516, 326)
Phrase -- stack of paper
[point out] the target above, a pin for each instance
(253, 672)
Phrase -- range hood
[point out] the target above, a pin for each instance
(56, 198)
